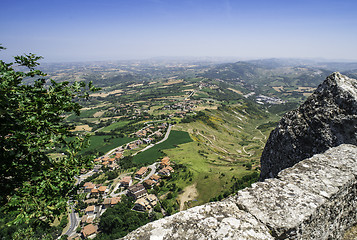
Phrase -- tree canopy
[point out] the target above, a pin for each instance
(34, 186)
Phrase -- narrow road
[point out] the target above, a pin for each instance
(152, 172)
(153, 168)
(73, 223)
(162, 140)
(191, 94)
(166, 135)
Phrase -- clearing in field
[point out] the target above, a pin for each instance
(203, 107)
(135, 85)
(82, 128)
(305, 89)
(97, 106)
(278, 89)
(98, 114)
(189, 193)
(236, 91)
(103, 94)
(171, 82)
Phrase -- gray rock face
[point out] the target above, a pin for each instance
(222, 220)
(327, 119)
(315, 199)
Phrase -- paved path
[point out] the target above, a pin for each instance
(162, 140)
(73, 219)
(153, 168)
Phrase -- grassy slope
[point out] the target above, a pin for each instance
(218, 154)
(151, 155)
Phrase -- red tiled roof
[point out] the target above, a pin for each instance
(115, 200)
(142, 171)
(126, 179)
(155, 177)
(87, 184)
(90, 209)
(89, 230)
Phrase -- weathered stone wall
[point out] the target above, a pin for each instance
(315, 199)
(327, 119)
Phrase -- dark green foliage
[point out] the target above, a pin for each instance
(35, 187)
(202, 116)
(157, 208)
(118, 221)
(248, 166)
(127, 162)
(112, 174)
(24, 231)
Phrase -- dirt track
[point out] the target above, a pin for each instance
(189, 193)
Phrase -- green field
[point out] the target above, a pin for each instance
(114, 126)
(105, 143)
(154, 153)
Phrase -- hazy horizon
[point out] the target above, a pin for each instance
(77, 31)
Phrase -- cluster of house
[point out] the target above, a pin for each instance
(261, 99)
(95, 189)
(147, 135)
(166, 169)
(134, 144)
(94, 210)
(88, 231)
(143, 200)
(152, 181)
(150, 130)
(143, 132)
(182, 106)
(106, 161)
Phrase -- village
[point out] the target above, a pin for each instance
(101, 196)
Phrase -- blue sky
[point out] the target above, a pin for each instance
(83, 30)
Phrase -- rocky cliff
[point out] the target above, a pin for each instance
(315, 199)
(327, 119)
